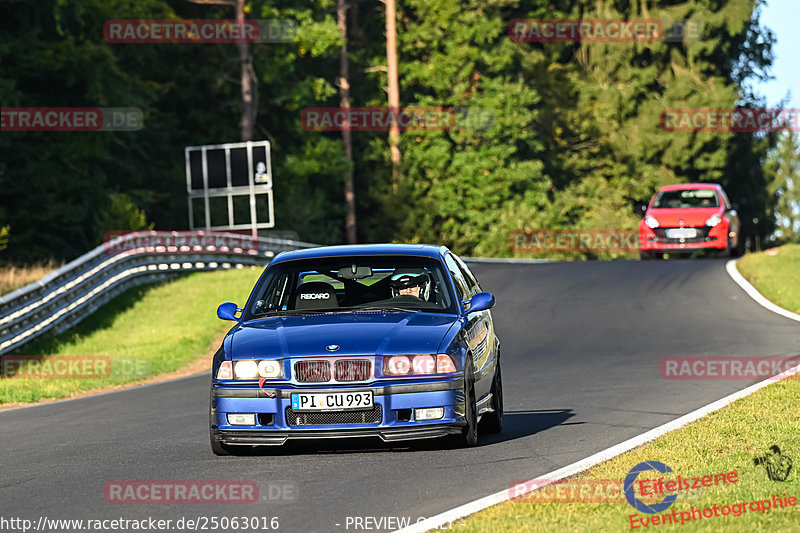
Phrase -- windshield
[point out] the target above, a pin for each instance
(686, 198)
(352, 284)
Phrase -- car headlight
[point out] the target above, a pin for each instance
(250, 369)
(412, 365)
(245, 369)
(270, 368)
(652, 222)
(713, 220)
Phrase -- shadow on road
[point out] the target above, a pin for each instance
(517, 424)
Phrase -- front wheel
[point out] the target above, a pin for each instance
(493, 422)
(645, 256)
(469, 435)
(736, 250)
(218, 448)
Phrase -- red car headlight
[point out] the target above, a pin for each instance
(413, 365)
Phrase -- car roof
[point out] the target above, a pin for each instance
(688, 186)
(424, 250)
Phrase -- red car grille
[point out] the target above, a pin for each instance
(312, 371)
(702, 236)
(352, 369)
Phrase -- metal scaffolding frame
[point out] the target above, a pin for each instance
(259, 182)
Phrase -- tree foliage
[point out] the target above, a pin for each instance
(783, 174)
(573, 140)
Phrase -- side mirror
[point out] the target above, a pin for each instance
(479, 302)
(228, 310)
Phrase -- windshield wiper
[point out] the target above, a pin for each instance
(299, 312)
(386, 308)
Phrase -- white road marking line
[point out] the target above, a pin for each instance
(448, 517)
(751, 291)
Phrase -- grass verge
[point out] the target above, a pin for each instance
(775, 273)
(728, 440)
(146, 331)
(724, 441)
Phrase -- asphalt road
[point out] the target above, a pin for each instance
(581, 345)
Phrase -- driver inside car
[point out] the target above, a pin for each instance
(416, 284)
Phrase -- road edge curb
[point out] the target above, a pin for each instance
(753, 293)
(124, 388)
(448, 517)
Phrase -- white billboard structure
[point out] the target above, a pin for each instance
(237, 179)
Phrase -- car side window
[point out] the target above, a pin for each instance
(275, 296)
(727, 202)
(462, 288)
(472, 281)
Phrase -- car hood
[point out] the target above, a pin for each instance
(671, 218)
(368, 333)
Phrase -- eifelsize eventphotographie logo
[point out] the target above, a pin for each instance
(670, 486)
(777, 465)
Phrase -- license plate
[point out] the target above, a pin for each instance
(331, 401)
(681, 233)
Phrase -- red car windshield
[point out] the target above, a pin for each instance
(686, 199)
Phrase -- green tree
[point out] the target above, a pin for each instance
(783, 171)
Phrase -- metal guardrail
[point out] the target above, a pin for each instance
(65, 297)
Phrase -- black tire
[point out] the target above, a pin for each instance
(218, 448)
(469, 435)
(738, 249)
(645, 256)
(493, 422)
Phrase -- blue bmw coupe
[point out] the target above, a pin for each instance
(390, 341)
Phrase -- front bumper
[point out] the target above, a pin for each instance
(655, 240)
(395, 402)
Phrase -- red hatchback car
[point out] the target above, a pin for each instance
(689, 217)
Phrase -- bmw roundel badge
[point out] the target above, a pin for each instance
(332, 347)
